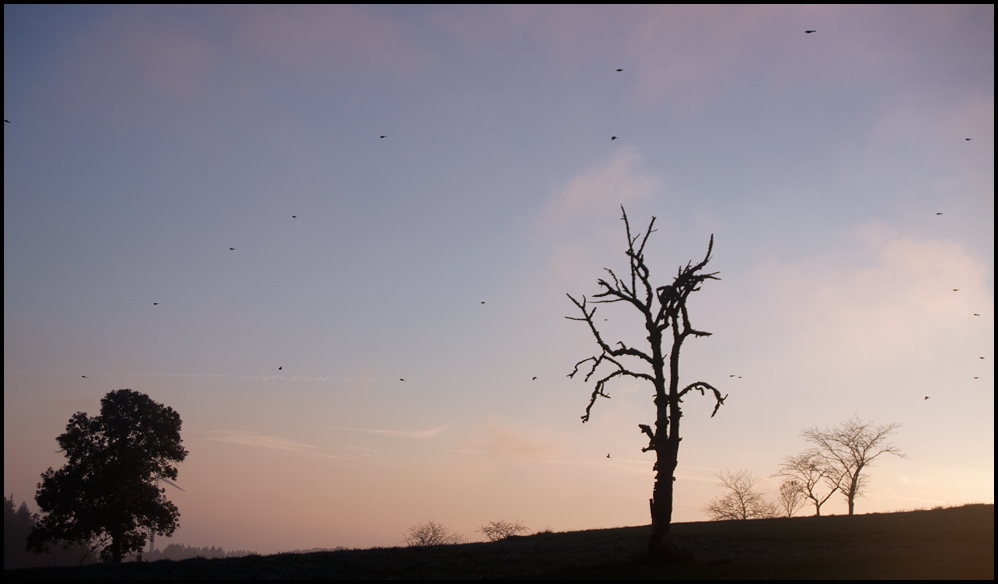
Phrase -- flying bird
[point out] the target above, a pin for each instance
(938, 213)
(809, 31)
(6, 121)
(956, 289)
(618, 70)
(384, 136)
(967, 139)
(926, 397)
(83, 376)
(400, 379)
(155, 303)
(975, 314)
(280, 368)
(232, 249)
(608, 455)
(612, 138)
(534, 379)
(483, 302)
(294, 216)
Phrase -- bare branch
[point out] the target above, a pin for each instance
(701, 386)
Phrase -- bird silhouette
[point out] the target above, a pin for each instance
(608, 455)
(294, 216)
(281, 368)
(83, 376)
(612, 138)
(6, 121)
(926, 397)
(384, 136)
(400, 379)
(618, 70)
(967, 139)
(483, 302)
(975, 314)
(956, 289)
(155, 303)
(938, 213)
(809, 31)
(535, 378)
(232, 249)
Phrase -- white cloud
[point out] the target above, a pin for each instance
(619, 181)
(259, 441)
(417, 434)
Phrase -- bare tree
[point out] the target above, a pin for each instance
(811, 470)
(850, 448)
(656, 367)
(791, 497)
(496, 530)
(430, 533)
(741, 502)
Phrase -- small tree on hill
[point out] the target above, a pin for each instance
(791, 497)
(810, 470)
(496, 530)
(430, 533)
(662, 310)
(106, 494)
(742, 501)
(850, 448)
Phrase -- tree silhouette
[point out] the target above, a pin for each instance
(662, 308)
(809, 469)
(850, 448)
(741, 502)
(430, 533)
(105, 496)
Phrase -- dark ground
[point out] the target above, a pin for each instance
(942, 543)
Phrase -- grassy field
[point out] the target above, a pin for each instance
(942, 543)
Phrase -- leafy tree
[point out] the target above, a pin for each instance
(850, 448)
(662, 309)
(496, 530)
(742, 501)
(809, 469)
(106, 494)
(430, 533)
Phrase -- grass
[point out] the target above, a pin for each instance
(940, 543)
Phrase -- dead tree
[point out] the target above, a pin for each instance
(663, 308)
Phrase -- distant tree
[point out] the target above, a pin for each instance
(811, 470)
(496, 530)
(661, 309)
(741, 501)
(430, 533)
(106, 494)
(850, 448)
(791, 497)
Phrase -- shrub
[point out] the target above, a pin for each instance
(496, 530)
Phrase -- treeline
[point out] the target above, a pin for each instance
(19, 521)
(17, 524)
(176, 551)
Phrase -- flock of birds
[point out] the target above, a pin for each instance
(281, 368)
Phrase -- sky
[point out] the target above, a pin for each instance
(412, 191)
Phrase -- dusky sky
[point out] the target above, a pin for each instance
(411, 191)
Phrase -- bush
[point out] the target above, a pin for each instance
(430, 533)
(496, 530)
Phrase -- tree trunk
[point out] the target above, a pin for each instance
(659, 546)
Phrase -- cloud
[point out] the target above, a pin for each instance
(260, 441)
(418, 434)
(891, 297)
(619, 181)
